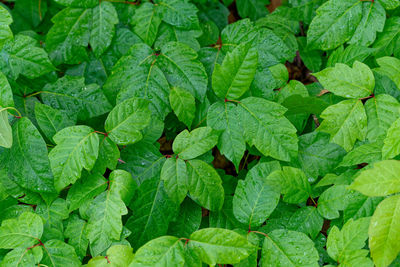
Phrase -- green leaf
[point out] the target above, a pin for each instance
(28, 163)
(179, 13)
(153, 211)
(22, 232)
(105, 223)
(257, 196)
(390, 4)
(342, 244)
(387, 41)
(108, 156)
(182, 69)
(231, 143)
(146, 22)
(253, 9)
(335, 23)
(161, 251)
(175, 177)
(76, 234)
(127, 119)
(349, 55)
(288, 248)
(224, 218)
(5, 21)
(85, 189)
(380, 180)
(183, 104)
(345, 122)
(205, 185)
(373, 21)
(33, 12)
(22, 257)
(77, 148)
(104, 18)
(168, 33)
(356, 82)
(391, 146)
(267, 129)
(188, 219)
(6, 135)
(77, 99)
(25, 57)
(367, 153)
(390, 67)
(384, 232)
(58, 253)
(297, 104)
(190, 145)
(6, 94)
(234, 77)
(318, 157)
(294, 184)
(306, 220)
(382, 111)
(51, 120)
(122, 184)
(67, 40)
(78, 3)
(117, 255)
(214, 245)
(331, 201)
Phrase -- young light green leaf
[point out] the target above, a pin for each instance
(349, 55)
(77, 148)
(190, 145)
(267, 129)
(257, 196)
(381, 180)
(345, 122)
(175, 178)
(6, 136)
(294, 184)
(356, 82)
(288, 248)
(116, 256)
(205, 185)
(214, 245)
(183, 104)
(384, 232)
(161, 251)
(5, 21)
(234, 77)
(23, 232)
(22, 257)
(28, 163)
(127, 119)
(367, 153)
(342, 244)
(104, 18)
(122, 184)
(105, 222)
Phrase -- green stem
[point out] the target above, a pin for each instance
(16, 110)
